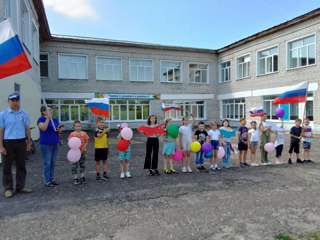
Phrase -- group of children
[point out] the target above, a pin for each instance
(247, 139)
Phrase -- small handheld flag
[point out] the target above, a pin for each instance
(256, 112)
(171, 107)
(99, 106)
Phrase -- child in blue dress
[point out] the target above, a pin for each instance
(124, 157)
(169, 146)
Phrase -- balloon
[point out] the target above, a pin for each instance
(195, 146)
(173, 130)
(269, 147)
(74, 155)
(177, 156)
(123, 145)
(126, 133)
(206, 147)
(208, 154)
(123, 125)
(221, 152)
(74, 143)
(280, 112)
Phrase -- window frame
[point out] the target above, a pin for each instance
(48, 65)
(201, 70)
(181, 71)
(188, 106)
(238, 66)
(258, 58)
(228, 69)
(25, 24)
(141, 59)
(239, 107)
(71, 54)
(113, 79)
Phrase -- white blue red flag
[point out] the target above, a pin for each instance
(256, 112)
(297, 94)
(99, 106)
(13, 59)
(171, 107)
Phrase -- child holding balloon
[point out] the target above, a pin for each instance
(253, 136)
(124, 154)
(243, 142)
(169, 146)
(306, 140)
(101, 149)
(185, 139)
(215, 139)
(201, 135)
(226, 160)
(83, 136)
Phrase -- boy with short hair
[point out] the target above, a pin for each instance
(101, 149)
(295, 136)
(83, 136)
(243, 142)
(201, 135)
(307, 136)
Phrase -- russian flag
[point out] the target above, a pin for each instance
(171, 107)
(298, 94)
(13, 59)
(99, 106)
(256, 112)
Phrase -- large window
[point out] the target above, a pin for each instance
(44, 65)
(126, 110)
(73, 66)
(302, 52)
(170, 71)
(243, 67)
(268, 61)
(198, 73)
(197, 108)
(108, 68)
(225, 72)
(141, 70)
(25, 25)
(233, 109)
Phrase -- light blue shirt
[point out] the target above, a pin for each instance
(14, 123)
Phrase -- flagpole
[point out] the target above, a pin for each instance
(305, 104)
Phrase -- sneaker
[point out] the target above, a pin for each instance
(203, 168)
(198, 169)
(189, 170)
(299, 160)
(25, 190)
(8, 194)
(98, 178)
(172, 170)
(264, 164)
(83, 180)
(289, 161)
(310, 161)
(217, 168)
(150, 173)
(166, 171)
(246, 164)
(242, 165)
(254, 164)
(184, 169)
(128, 175)
(49, 184)
(279, 162)
(122, 176)
(156, 173)
(76, 181)
(55, 183)
(268, 163)
(105, 177)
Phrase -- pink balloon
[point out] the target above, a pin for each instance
(221, 152)
(269, 147)
(74, 155)
(177, 156)
(126, 133)
(74, 143)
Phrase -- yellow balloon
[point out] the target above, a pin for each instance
(195, 146)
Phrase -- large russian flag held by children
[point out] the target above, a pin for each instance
(13, 59)
(298, 94)
(171, 107)
(99, 106)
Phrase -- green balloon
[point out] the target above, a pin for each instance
(173, 130)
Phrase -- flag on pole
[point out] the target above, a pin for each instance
(13, 59)
(297, 94)
(171, 107)
(99, 106)
(256, 112)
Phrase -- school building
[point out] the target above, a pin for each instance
(213, 84)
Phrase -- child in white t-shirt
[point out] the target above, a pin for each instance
(253, 136)
(279, 145)
(215, 140)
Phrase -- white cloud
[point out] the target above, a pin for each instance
(72, 8)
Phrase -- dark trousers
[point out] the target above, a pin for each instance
(16, 152)
(152, 149)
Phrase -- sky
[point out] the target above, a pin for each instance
(210, 24)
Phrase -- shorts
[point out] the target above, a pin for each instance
(279, 149)
(294, 147)
(215, 144)
(125, 155)
(186, 144)
(101, 154)
(242, 146)
(306, 145)
(254, 144)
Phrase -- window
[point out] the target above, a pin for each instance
(17, 88)
(309, 109)
(270, 108)
(225, 72)
(108, 68)
(25, 24)
(268, 61)
(124, 110)
(44, 65)
(233, 109)
(196, 107)
(198, 73)
(141, 70)
(35, 42)
(11, 11)
(72, 66)
(302, 52)
(170, 71)
(243, 67)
